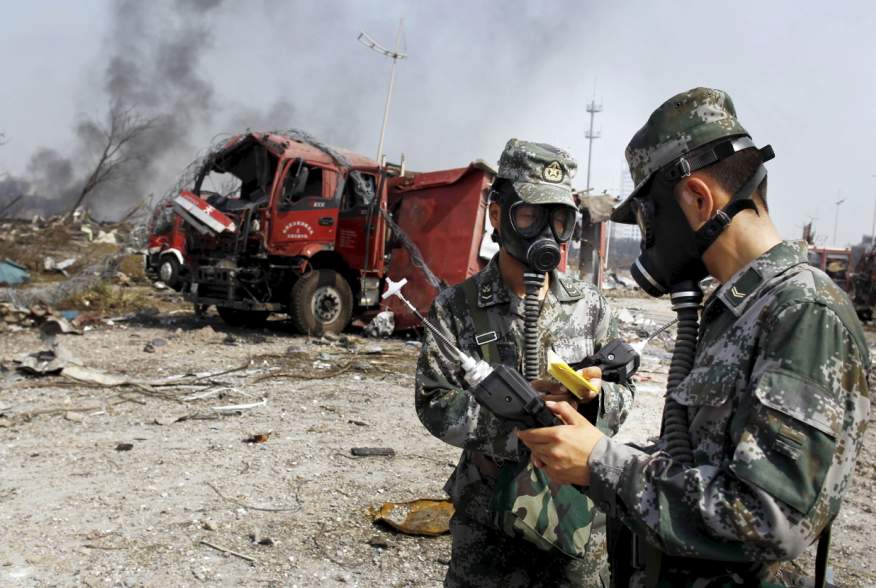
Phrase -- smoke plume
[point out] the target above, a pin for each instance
(153, 53)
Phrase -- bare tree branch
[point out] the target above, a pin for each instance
(124, 127)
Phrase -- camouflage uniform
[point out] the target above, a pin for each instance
(777, 402)
(777, 405)
(574, 320)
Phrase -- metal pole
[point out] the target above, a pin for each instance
(592, 108)
(395, 55)
(836, 219)
(598, 252)
(389, 92)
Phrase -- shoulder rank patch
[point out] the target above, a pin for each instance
(572, 290)
(745, 285)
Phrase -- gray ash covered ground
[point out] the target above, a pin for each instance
(77, 510)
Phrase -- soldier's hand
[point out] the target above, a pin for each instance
(594, 374)
(554, 391)
(563, 452)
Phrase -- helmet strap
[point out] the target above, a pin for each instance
(741, 200)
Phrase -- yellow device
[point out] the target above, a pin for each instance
(568, 377)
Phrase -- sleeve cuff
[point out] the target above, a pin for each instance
(607, 462)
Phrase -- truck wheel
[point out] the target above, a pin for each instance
(234, 317)
(322, 302)
(169, 272)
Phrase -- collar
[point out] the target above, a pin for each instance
(745, 285)
(492, 290)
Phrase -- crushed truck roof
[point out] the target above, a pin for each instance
(288, 147)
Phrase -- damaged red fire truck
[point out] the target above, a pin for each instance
(313, 231)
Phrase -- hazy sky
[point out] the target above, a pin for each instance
(801, 75)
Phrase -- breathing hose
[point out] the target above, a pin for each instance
(533, 281)
(687, 298)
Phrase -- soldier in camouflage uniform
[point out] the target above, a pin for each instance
(777, 401)
(493, 543)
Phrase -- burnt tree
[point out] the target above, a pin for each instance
(116, 146)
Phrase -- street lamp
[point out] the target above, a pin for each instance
(836, 218)
(395, 55)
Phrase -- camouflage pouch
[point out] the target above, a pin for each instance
(551, 516)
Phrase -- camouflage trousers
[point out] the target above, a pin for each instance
(483, 556)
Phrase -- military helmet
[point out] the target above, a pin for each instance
(678, 128)
(540, 173)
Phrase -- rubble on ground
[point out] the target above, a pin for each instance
(74, 263)
(382, 325)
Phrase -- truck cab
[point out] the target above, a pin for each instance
(301, 234)
(291, 225)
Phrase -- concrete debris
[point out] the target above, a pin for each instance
(50, 322)
(58, 325)
(625, 316)
(106, 237)
(50, 265)
(46, 362)
(381, 325)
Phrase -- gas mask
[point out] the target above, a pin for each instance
(533, 233)
(669, 253)
(672, 251)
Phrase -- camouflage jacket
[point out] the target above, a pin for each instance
(777, 402)
(574, 320)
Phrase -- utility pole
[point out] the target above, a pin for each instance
(394, 54)
(592, 108)
(836, 218)
(600, 250)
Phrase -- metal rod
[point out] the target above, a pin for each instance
(435, 330)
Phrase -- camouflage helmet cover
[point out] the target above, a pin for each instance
(680, 125)
(540, 173)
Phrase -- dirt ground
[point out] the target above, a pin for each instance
(122, 485)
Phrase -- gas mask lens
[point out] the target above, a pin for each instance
(562, 222)
(529, 220)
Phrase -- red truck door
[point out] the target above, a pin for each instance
(302, 214)
(361, 229)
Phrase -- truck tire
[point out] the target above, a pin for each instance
(234, 317)
(169, 272)
(321, 302)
